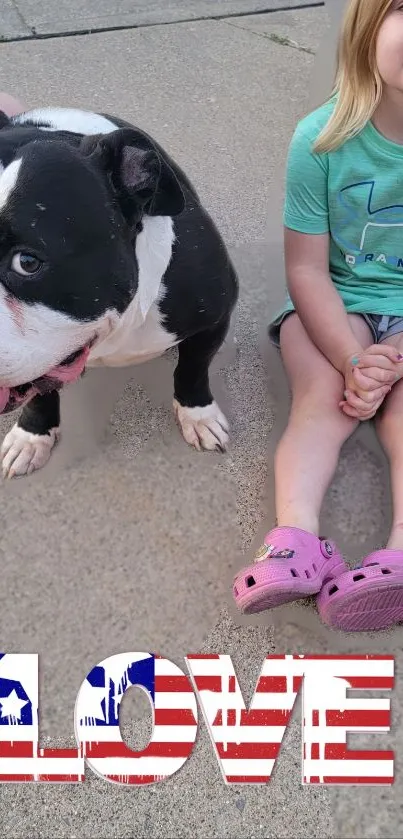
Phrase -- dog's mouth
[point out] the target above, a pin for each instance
(68, 371)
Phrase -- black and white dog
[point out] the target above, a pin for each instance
(107, 257)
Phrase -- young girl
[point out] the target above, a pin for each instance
(341, 329)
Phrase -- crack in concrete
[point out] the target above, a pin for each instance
(282, 40)
(21, 16)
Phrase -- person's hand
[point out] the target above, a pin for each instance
(369, 376)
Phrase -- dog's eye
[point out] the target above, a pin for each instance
(25, 264)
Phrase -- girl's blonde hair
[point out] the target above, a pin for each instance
(358, 86)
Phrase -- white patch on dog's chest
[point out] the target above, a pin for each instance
(131, 344)
(139, 335)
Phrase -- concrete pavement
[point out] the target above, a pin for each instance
(28, 18)
(86, 572)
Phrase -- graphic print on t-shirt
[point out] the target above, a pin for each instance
(368, 231)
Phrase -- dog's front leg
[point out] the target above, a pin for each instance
(201, 421)
(28, 445)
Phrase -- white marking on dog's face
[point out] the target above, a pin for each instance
(8, 180)
(42, 338)
(67, 119)
(41, 341)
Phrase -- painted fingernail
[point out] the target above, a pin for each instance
(399, 357)
(355, 360)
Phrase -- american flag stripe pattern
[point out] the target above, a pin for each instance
(247, 741)
(21, 758)
(174, 715)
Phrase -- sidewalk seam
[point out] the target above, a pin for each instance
(76, 33)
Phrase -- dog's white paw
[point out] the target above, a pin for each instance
(23, 452)
(204, 428)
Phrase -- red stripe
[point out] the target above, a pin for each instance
(315, 751)
(277, 684)
(276, 657)
(336, 779)
(213, 683)
(157, 749)
(248, 751)
(247, 779)
(137, 779)
(169, 684)
(272, 684)
(60, 753)
(25, 748)
(62, 779)
(378, 682)
(339, 751)
(259, 717)
(27, 779)
(345, 657)
(172, 716)
(203, 656)
(22, 779)
(365, 719)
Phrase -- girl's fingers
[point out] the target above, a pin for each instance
(358, 408)
(365, 398)
(352, 412)
(371, 377)
(385, 351)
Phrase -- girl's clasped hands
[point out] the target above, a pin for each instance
(369, 376)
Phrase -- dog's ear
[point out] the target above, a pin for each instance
(140, 173)
(4, 120)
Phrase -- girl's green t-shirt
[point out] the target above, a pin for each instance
(355, 194)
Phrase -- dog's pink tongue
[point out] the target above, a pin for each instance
(4, 397)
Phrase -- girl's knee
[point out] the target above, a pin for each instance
(319, 397)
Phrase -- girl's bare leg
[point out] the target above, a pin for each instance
(307, 455)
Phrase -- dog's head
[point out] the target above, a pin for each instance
(70, 210)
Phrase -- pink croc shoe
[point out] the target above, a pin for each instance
(291, 564)
(368, 598)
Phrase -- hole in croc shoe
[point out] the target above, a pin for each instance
(358, 577)
(294, 573)
(235, 591)
(250, 581)
(307, 574)
(370, 564)
(333, 589)
(386, 571)
(314, 567)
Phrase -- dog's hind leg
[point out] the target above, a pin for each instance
(28, 445)
(200, 419)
